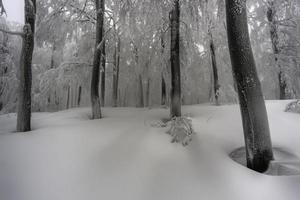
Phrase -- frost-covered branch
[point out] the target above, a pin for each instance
(12, 32)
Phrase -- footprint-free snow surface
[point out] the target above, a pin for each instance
(124, 157)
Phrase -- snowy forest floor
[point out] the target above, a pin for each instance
(122, 156)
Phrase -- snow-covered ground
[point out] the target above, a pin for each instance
(69, 157)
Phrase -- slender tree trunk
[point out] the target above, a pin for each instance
(103, 75)
(175, 107)
(163, 90)
(271, 15)
(95, 100)
(116, 72)
(79, 96)
(163, 82)
(216, 85)
(148, 93)
(254, 115)
(53, 56)
(141, 92)
(68, 98)
(24, 100)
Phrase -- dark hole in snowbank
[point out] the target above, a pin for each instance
(285, 163)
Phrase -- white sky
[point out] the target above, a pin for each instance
(15, 10)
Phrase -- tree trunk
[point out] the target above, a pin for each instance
(148, 93)
(215, 82)
(24, 100)
(79, 96)
(95, 100)
(103, 74)
(271, 16)
(216, 85)
(175, 107)
(116, 72)
(141, 92)
(254, 115)
(163, 90)
(53, 56)
(68, 98)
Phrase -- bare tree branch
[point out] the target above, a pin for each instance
(3, 11)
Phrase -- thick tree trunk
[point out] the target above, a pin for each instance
(103, 63)
(175, 107)
(24, 99)
(116, 72)
(95, 100)
(253, 110)
(271, 15)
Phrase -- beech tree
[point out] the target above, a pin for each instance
(175, 107)
(25, 73)
(254, 115)
(95, 99)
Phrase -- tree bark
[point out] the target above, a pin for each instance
(254, 115)
(95, 100)
(175, 107)
(103, 74)
(271, 16)
(116, 72)
(24, 99)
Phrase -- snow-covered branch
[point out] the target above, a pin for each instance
(12, 32)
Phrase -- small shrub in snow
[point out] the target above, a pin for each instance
(181, 130)
(293, 107)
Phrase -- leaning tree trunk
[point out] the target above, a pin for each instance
(103, 63)
(175, 107)
(271, 15)
(95, 100)
(254, 115)
(216, 86)
(116, 72)
(24, 98)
